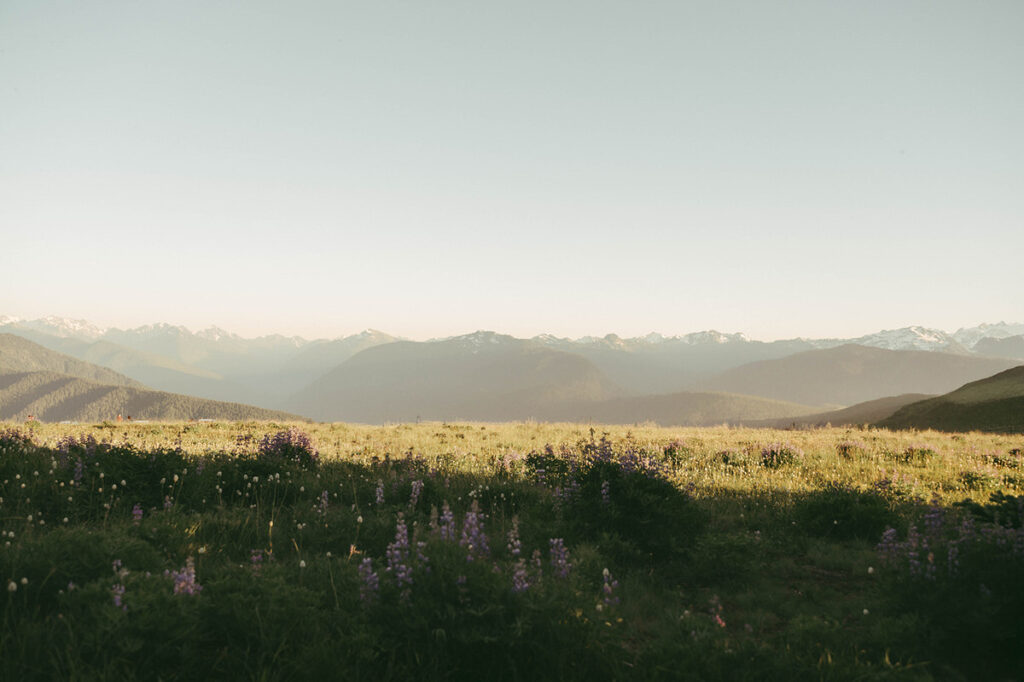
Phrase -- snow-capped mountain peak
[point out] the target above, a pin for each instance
(969, 336)
(713, 336)
(63, 327)
(910, 338)
(215, 334)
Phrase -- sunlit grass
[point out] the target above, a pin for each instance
(735, 553)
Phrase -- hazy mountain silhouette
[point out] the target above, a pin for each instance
(1006, 347)
(56, 387)
(678, 409)
(487, 376)
(481, 376)
(18, 354)
(555, 375)
(155, 371)
(993, 404)
(59, 397)
(851, 374)
(655, 364)
(311, 362)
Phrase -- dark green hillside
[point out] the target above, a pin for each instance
(862, 413)
(55, 397)
(21, 355)
(994, 404)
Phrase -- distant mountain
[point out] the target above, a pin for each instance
(969, 336)
(61, 327)
(21, 355)
(211, 363)
(55, 387)
(856, 415)
(655, 364)
(851, 374)
(155, 371)
(216, 364)
(59, 397)
(678, 409)
(912, 338)
(211, 349)
(314, 360)
(993, 404)
(480, 376)
(1001, 347)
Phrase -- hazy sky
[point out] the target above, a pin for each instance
(431, 168)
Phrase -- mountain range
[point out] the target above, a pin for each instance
(705, 377)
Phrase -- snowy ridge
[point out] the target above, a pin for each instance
(911, 338)
(969, 336)
(906, 338)
(63, 327)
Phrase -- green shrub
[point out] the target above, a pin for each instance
(840, 511)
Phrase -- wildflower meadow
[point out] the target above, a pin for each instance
(254, 550)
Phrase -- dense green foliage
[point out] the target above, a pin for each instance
(241, 551)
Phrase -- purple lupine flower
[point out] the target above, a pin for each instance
(559, 557)
(167, 502)
(137, 514)
(79, 471)
(118, 594)
(447, 523)
(321, 507)
(608, 589)
(933, 519)
(379, 493)
(398, 555)
(370, 582)
(292, 444)
(514, 545)
(185, 579)
(421, 556)
(912, 544)
(417, 488)
(473, 537)
(953, 558)
(565, 495)
(520, 577)
(606, 493)
(256, 559)
(889, 546)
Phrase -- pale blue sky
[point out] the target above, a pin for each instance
(431, 168)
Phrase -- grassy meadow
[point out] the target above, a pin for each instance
(288, 551)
